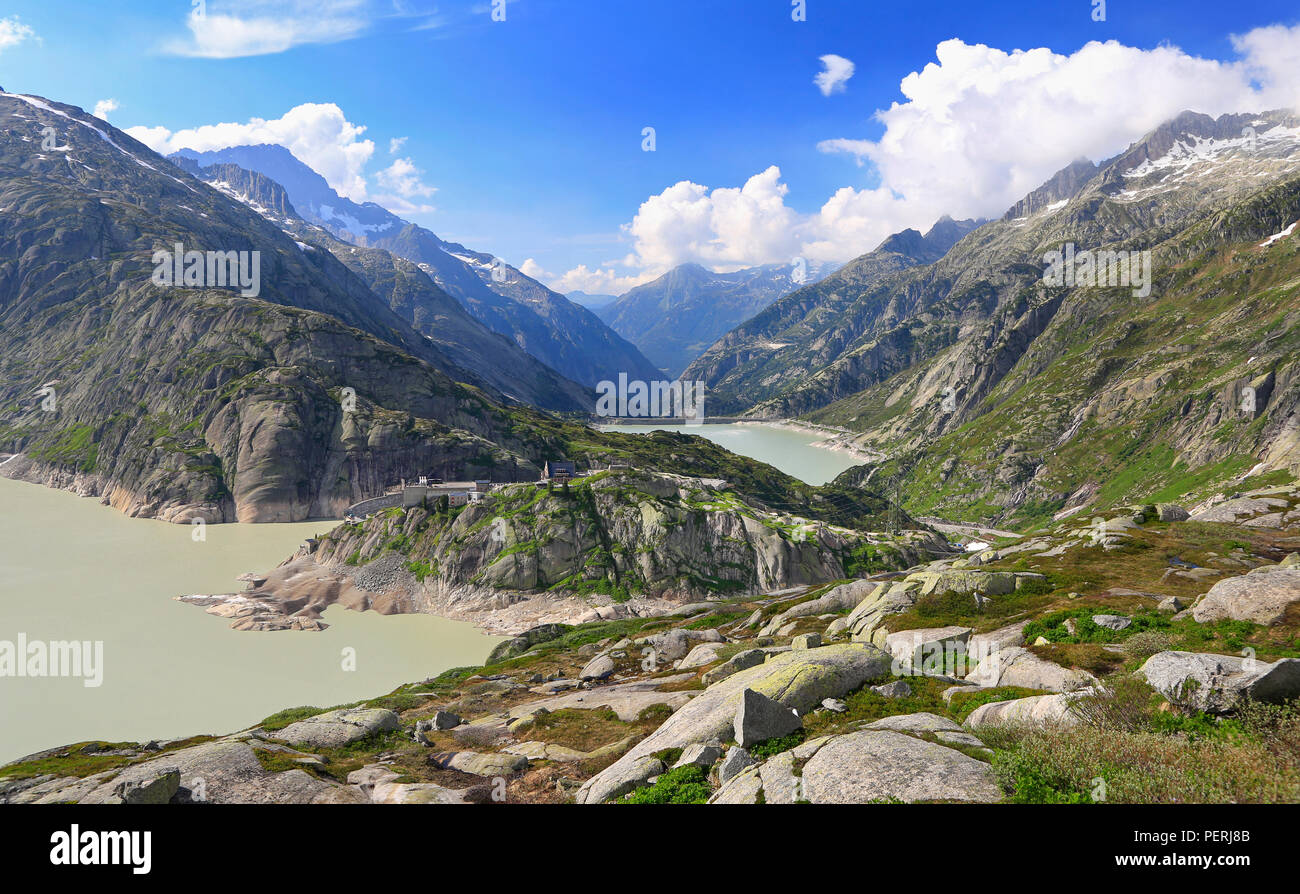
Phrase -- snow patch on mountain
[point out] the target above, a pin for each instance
(1277, 237)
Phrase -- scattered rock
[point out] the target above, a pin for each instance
(896, 689)
(735, 760)
(798, 680)
(806, 641)
(835, 705)
(701, 754)
(1112, 622)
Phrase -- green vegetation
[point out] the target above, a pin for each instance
(685, 785)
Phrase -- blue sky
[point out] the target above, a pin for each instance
(524, 137)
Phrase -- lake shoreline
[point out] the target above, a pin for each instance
(835, 439)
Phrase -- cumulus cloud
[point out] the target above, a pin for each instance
(600, 281)
(977, 130)
(235, 28)
(404, 184)
(395, 145)
(835, 74)
(318, 134)
(104, 108)
(14, 32)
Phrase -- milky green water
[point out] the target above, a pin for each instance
(71, 569)
(792, 452)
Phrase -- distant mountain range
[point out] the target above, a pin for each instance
(677, 316)
(997, 393)
(565, 336)
(591, 302)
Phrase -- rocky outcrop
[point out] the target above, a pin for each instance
(797, 680)
(1218, 683)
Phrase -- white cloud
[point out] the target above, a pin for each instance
(835, 74)
(402, 180)
(14, 32)
(593, 282)
(318, 134)
(978, 129)
(395, 145)
(725, 227)
(104, 108)
(236, 28)
(530, 267)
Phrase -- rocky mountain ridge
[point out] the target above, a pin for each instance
(996, 392)
(563, 335)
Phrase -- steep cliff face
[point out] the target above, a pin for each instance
(618, 534)
(199, 401)
(1001, 396)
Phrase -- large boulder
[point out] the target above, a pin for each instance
(883, 765)
(1169, 512)
(984, 583)
(334, 729)
(490, 764)
(929, 650)
(920, 722)
(1218, 683)
(672, 645)
(736, 760)
(598, 668)
(1262, 598)
(704, 653)
(1036, 710)
(158, 790)
(798, 680)
(759, 718)
(1018, 666)
(701, 754)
